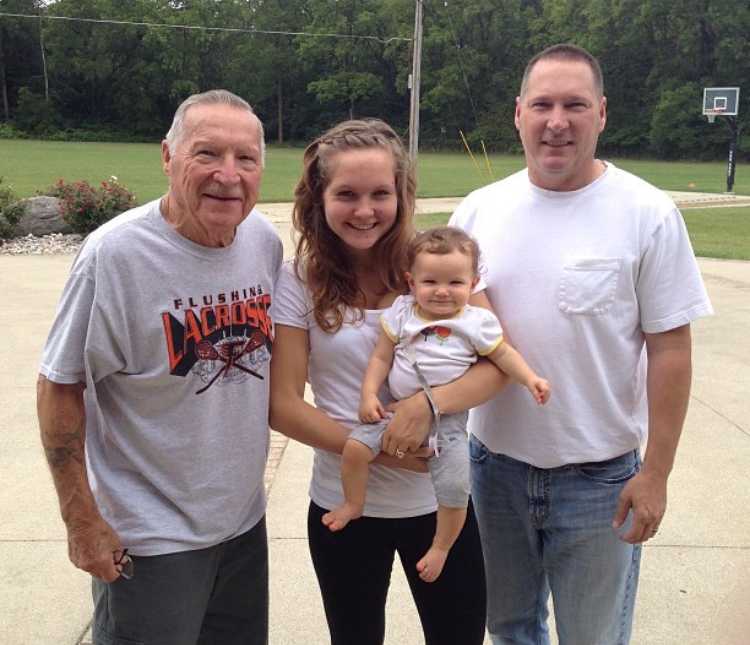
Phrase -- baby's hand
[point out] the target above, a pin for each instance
(540, 390)
(370, 409)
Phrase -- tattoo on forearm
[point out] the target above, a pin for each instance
(69, 448)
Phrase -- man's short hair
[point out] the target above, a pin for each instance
(212, 97)
(566, 51)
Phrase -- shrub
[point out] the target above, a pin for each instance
(7, 195)
(85, 207)
(95, 134)
(9, 131)
(11, 215)
(11, 210)
(34, 114)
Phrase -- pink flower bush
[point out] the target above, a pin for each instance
(86, 208)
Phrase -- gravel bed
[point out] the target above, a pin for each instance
(52, 244)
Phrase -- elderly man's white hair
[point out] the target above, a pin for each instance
(212, 97)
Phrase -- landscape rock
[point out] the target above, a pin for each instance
(41, 217)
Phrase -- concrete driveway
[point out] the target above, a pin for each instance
(694, 583)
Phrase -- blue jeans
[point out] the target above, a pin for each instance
(550, 530)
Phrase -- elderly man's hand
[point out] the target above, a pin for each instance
(93, 546)
(409, 426)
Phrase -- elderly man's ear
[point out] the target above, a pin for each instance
(166, 157)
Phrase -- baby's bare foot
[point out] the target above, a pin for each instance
(339, 517)
(431, 565)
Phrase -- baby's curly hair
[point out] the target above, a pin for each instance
(321, 259)
(441, 241)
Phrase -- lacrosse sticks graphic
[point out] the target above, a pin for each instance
(229, 353)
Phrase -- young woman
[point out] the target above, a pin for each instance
(353, 216)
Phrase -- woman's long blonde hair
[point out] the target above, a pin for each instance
(321, 259)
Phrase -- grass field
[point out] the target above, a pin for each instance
(719, 232)
(30, 166)
(714, 232)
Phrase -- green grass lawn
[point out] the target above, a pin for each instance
(714, 232)
(30, 166)
(719, 232)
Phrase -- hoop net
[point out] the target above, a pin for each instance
(713, 113)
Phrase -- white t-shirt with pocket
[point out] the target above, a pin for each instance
(576, 278)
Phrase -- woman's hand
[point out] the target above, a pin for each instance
(415, 462)
(409, 426)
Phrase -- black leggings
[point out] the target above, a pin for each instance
(354, 570)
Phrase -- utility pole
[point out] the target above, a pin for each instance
(3, 82)
(44, 58)
(414, 82)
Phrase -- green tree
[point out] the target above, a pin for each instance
(20, 61)
(675, 123)
(347, 87)
(264, 69)
(354, 76)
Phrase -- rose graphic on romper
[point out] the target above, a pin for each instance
(440, 332)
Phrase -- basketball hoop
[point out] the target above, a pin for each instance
(724, 102)
(720, 101)
(717, 110)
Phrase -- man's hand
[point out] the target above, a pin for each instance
(668, 391)
(371, 410)
(93, 547)
(646, 496)
(92, 544)
(410, 425)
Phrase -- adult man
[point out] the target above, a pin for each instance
(586, 265)
(158, 360)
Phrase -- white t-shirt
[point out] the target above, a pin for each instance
(576, 278)
(445, 348)
(336, 366)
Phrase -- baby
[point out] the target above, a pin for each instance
(430, 338)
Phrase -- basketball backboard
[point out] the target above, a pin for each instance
(720, 101)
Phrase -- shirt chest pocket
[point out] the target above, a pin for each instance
(588, 286)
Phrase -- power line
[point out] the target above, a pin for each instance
(162, 25)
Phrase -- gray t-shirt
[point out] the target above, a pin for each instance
(173, 342)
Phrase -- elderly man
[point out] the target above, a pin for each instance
(153, 394)
(587, 266)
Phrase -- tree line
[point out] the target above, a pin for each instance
(306, 64)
